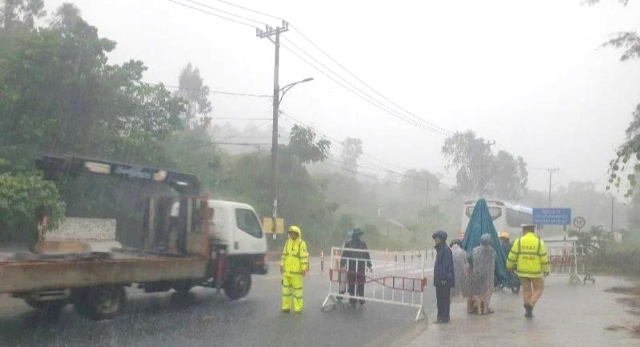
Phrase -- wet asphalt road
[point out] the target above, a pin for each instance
(204, 319)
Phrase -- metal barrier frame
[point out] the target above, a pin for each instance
(397, 282)
(568, 253)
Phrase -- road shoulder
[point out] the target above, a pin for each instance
(567, 315)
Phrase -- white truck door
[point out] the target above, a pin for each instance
(248, 238)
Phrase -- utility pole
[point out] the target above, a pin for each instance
(613, 200)
(268, 33)
(427, 197)
(551, 172)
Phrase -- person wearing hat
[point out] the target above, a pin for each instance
(357, 255)
(505, 243)
(443, 276)
(529, 256)
(294, 265)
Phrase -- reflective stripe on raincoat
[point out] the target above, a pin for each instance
(295, 257)
(530, 256)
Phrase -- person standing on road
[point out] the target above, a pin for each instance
(460, 270)
(293, 267)
(356, 267)
(529, 256)
(443, 276)
(505, 243)
(483, 265)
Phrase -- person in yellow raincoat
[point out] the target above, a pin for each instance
(529, 256)
(293, 266)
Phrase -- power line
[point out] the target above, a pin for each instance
(379, 168)
(340, 142)
(250, 10)
(425, 125)
(239, 119)
(212, 14)
(217, 91)
(245, 131)
(226, 12)
(241, 144)
(363, 95)
(364, 83)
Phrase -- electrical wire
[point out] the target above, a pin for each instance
(377, 168)
(364, 83)
(250, 10)
(212, 14)
(225, 12)
(243, 132)
(218, 91)
(381, 107)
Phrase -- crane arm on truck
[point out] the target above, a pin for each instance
(56, 167)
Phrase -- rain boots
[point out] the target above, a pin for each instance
(529, 311)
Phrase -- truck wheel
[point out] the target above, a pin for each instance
(52, 307)
(238, 284)
(183, 287)
(100, 303)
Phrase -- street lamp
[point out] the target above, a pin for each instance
(291, 85)
(277, 99)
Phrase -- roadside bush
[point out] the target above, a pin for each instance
(21, 195)
(623, 258)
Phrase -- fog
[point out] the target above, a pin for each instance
(530, 76)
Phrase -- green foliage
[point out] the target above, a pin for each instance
(480, 172)
(20, 196)
(305, 146)
(20, 14)
(595, 240)
(351, 152)
(192, 89)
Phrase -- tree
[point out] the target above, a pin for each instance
(84, 105)
(351, 152)
(480, 172)
(625, 166)
(20, 14)
(20, 195)
(509, 176)
(305, 146)
(472, 159)
(191, 87)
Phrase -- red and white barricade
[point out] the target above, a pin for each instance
(567, 258)
(395, 278)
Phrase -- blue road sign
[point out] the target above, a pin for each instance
(552, 216)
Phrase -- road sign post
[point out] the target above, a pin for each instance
(579, 222)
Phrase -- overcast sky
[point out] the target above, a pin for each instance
(528, 74)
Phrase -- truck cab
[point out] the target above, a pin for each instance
(236, 227)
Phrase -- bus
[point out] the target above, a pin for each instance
(506, 217)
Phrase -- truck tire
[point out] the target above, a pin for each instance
(99, 303)
(51, 307)
(238, 283)
(183, 287)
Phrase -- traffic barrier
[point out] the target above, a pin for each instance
(322, 261)
(568, 258)
(396, 278)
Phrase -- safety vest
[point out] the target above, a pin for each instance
(530, 255)
(295, 257)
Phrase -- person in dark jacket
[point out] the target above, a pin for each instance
(443, 276)
(356, 267)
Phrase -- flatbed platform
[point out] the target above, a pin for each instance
(26, 272)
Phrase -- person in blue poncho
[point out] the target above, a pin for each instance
(443, 276)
